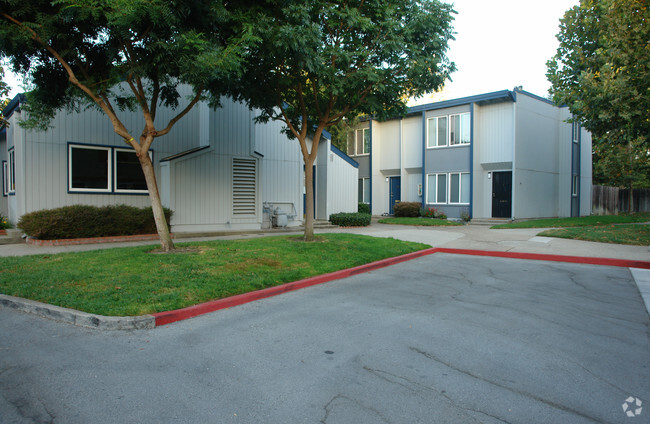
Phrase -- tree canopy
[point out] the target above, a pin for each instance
(123, 54)
(4, 93)
(321, 61)
(602, 72)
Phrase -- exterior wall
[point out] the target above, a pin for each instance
(586, 173)
(563, 159)
(341, 196)
(493, 145)
(4, 200)
(536, 173)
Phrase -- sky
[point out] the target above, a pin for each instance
(499, 44)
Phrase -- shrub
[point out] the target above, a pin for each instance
(428, 212)
(363, 208)
(350, 219)
(406, 209)
(464, 215)
(440, 215)
(82, 221)
(4, 222)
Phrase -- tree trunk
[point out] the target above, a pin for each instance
(309, 198)
(630, 198)
(166, 243)
(630, 195)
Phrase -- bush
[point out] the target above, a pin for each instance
(4, 222)
(464, 215)
(440, 215)
(81, 221)
(363, 208)
(406, 209)
(428, 212)
(350, 219)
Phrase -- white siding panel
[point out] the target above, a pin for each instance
(342, 190)
(412, 139)
(494, 133)
(389, 144)
(410, 191)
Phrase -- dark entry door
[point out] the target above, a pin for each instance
(395, 192)
(502, 194)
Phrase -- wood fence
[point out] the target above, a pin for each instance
(612, 200)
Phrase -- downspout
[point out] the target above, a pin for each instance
(402, 175)
(471, 160)
(370, 163)
(424, 151)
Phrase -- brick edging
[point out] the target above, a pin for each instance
(92, 240)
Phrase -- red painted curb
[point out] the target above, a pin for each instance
(625, 263)
(168, 317)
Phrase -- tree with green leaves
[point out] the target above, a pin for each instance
(123, 55)
(4, 99)
(602, 72)
(321, 61)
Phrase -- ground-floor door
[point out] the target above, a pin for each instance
(502, 194)
(395, 194)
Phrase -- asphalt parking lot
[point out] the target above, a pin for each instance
(440, 339)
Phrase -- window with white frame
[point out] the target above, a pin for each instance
(5, 178)
(104, 169)
(359, 142)
(459, 129)
(437, 132)
(575, 131)
(364, 190)
(436, 188)
(574, 186)
(11, 172)
(459, 187)
(129, 177)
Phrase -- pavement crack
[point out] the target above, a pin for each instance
(330, 405)
(502, 386)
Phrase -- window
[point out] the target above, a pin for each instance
(129, 177)
(359, 142)
(459, 188)
(364, 190)
(104, 169)
(5, 178)
(437, 132)
(459, 129)
(436, 188)
(11, 172)
(575, 131)
(574, 186)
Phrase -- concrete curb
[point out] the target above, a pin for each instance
(78, 318)
(101, 322)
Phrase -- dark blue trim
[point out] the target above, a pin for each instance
(494, 97)
(471, 160)
(187, 152)
(370, 163)
(343, 156)
(113, 192)
(13, 105)
(424, 152)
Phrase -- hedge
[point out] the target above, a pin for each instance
(363, 208)
(407, 209)
(82, 221)
(350, 219)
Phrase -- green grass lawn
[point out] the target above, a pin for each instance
(619, 229)
(133, 281)
(418, 221)
(620, 234)
(583, 221)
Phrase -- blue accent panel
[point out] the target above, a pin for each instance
(495, 97)
(471, 160)
(424, 151)
(343, 156)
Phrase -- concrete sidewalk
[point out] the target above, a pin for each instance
(475, 237)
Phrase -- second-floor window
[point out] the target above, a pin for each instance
(359, 142)
(448, 130)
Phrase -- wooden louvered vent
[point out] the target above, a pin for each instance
(243, 186)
